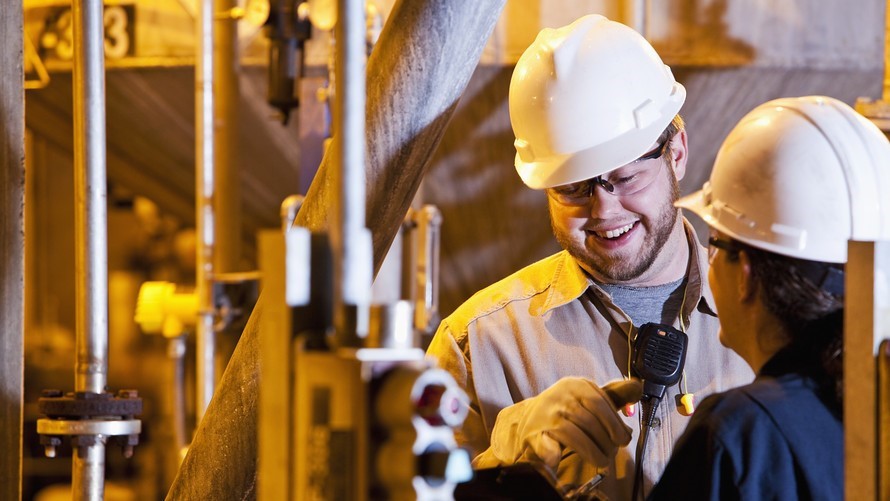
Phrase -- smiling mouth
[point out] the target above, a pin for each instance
(617, 232)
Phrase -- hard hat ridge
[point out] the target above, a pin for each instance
(561, 46)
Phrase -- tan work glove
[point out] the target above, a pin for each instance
(574, 413)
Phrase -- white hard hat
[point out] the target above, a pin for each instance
(800, 177)
(586, 99)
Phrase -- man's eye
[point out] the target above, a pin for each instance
(624, 180)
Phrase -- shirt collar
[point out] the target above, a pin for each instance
(698, 275)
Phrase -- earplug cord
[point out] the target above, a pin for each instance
(647, 415)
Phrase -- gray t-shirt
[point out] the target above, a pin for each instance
(659, 304)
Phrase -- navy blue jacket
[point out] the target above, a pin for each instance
(772, 439)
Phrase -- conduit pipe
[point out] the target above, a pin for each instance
(90, 228)
(350, 239)
(205, 337)
(416, 74)
(217, 197)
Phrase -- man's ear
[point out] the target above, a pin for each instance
(746, 282)
(679, 149)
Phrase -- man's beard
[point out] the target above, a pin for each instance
(625, 269)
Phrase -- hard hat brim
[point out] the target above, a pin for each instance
(694, 202)
(697, 204)
(558, 170)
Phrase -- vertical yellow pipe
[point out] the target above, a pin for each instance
(227, 203)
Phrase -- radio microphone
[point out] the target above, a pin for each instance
(659, 353)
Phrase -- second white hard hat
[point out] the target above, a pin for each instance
(800, 177)
(586, 99)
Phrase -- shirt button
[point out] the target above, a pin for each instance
(656, 423)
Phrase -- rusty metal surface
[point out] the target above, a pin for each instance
(416, 75)
(12, 263)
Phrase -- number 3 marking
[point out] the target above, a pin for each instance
(117, 39)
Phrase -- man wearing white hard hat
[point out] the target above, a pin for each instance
(545, 354)
(795, 180)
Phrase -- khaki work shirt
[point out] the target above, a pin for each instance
(517, 337)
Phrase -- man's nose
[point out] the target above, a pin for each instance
(602, 203)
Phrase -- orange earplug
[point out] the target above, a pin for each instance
(687, 400)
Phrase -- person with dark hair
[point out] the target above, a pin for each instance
(794, 181)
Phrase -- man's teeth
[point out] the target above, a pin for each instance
(616, 232)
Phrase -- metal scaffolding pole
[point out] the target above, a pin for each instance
(350, 239)
(91, 283)
(204, 195)
(217, 196)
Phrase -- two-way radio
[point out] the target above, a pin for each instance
(659, 353)
(658, 356)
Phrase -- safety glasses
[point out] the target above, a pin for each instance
(715, 243)
(632, 178)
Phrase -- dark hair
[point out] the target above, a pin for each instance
(812, 317)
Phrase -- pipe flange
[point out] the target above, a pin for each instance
(86, 418)
(106, 427)
(84, 405)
